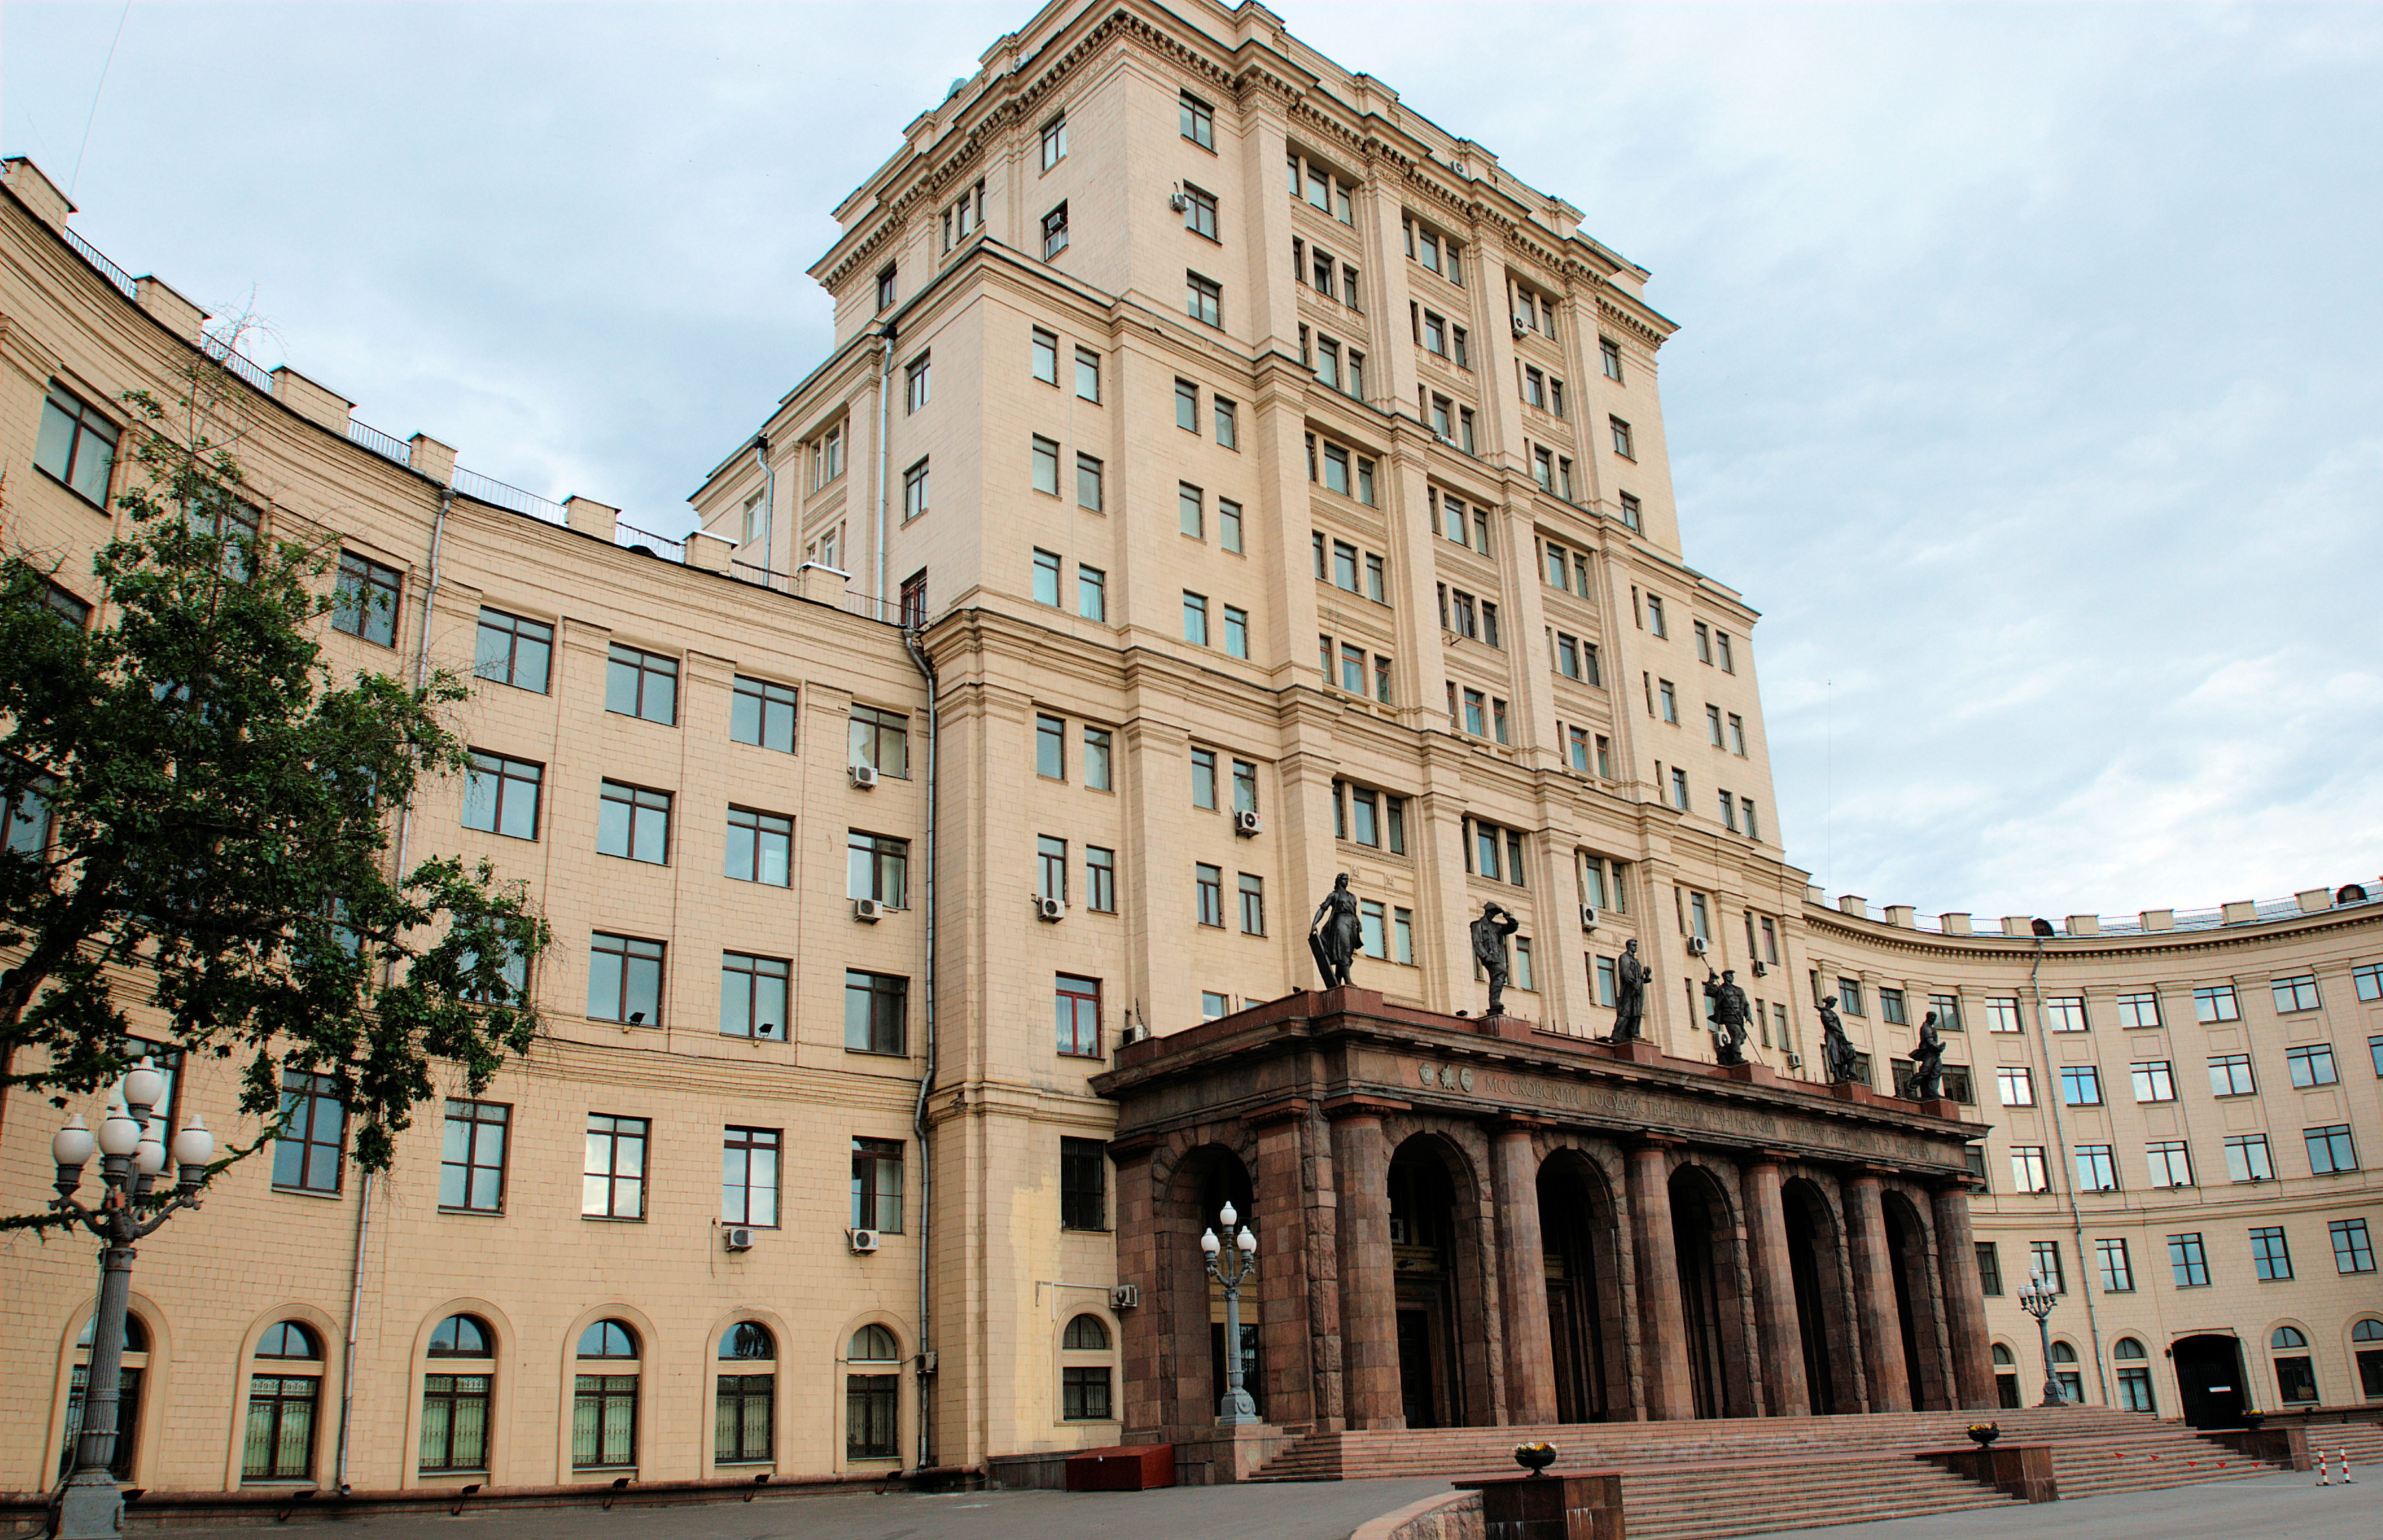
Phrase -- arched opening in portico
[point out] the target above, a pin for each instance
(1204, 1181)
(1704, 1236)
(1579, 1225)
(1907, 1249)
(1812, 1259)
(1436, 1255)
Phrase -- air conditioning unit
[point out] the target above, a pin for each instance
(869, 910)
(1794, 1061)
(1246, 823)
(1443, 439)
(865, 777)
(1588, 917)
(1175, 200)
(1049, 908)
(1397, 1232)
(1696, 946)
(1761, 967)
(736, 1238)
(1125, 1296)
(1519, 328)
(863, 1241)
(1135, 1032)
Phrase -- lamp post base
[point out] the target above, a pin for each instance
(1236, 1409)
(92, 1508)
(2054, 1394)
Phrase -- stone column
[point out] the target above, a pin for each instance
(1965, 1300)
(1369, 1342)
(1785, 1392)
(1663, 1328)
(1287, 1398)
(1882, 1329)
(1523, 1279)
(1142, 1331)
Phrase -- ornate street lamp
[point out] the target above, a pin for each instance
(131, 1160)
(1240, 1245)
(2038, 1300)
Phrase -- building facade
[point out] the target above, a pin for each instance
(1005, 614)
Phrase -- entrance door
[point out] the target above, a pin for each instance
(2209, 1381)
(1415, 1369)
(1572, 1403)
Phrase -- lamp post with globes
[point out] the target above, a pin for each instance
(1241, 1244)
(2038, 1300)
(131, 1158)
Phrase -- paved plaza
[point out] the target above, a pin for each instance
(2281, 1507)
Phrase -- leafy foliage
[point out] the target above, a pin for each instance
(219, 814)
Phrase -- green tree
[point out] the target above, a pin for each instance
(200, 819)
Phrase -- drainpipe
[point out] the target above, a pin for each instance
(927, 1080)
(884, 421)
(404, 832)
(2076, 1214)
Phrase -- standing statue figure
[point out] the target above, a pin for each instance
(1489, 933)
(1630, 978)
(1836, 1049)
(1928, 1063)
(1729, 1016)
(1335, 932)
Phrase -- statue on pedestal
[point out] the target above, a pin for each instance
(1489, 933)
(1928, 1063)
(1836, 1049)
(1630, 978)
(1729, 1016)
(1335, 932)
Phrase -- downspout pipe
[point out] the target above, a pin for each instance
(927, 1077)
(404, 834)
(2076, 1214)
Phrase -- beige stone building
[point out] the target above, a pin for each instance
(1222, 479)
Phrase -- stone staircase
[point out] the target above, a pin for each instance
(1711, 1479)
(2363, 1440)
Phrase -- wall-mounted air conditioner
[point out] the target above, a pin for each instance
(1049, 908)
(1246, 823)
(868, 910)
(1697, 945)
(1588, 917)
(736, 1238)
(1125, 1296)
(865, 777)
(863, 1241)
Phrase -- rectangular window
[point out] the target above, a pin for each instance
(1092, 593)
(77, 445)
(2080, 1085)
(2189, 1261)
(1100, 880)
(1198, 121)
(876, 1013)
(2015, 1084)
(1228, 426)
(2368, 980)
(760, 846)
(753, 997)
(2139, 1009)
(454, 1423)
(2329, 1149)
(1096, 758)
(366, 602)
(877, 1185)
(2270, 1257)
(2064, 1014)
(2117, 1277)
(1990, 1269)
(2028, 1171)
(2044, 1261)
(1046, 357)
(1051, 748)
(2217, 1003)
(1051, 867)
(1055, 232)
(1203, 300)
(1372, 937)
(1195, 618)
(749, 1177)
(1669, 698)
(2170, 1163)
(915, 494)
(1055, 142)
(881, 741)
(1610, 356)
(1083, 1184)
(625, 979)
(309, 1152)
(1849, 996)
(1621, 437)
(916, 391)
(2155, 1081)
(472, 1160)
(1237, 631)
(2097, 1170)
(2230, 1075)
(500, 795)
(1199, 211)
(762, 714)
(1738, 735)
(1046, 576)
(641, 684)
(612, 1178)
(1077, 1006)
(513, 650)
(2002, 1014)
(2295, 995)
(634, 822)
(1209, 884)
(1203, 779)
(1252, 905)
(2248, 1158)
(2353, 1252)
(1191, 517)
(878, 866)
(1403, 936)
(2312, 1064)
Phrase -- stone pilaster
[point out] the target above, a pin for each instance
(1785, 1392)
(1663, 1324)
(1965, 1300)
(1369, 1344)
(1882, 1330)
(1523, 1279)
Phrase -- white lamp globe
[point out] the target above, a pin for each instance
(1209, 1243)
(118, 1135)
(1249, 1243)
(1229, 1216)
(149, 1155)
(194, 1145)
(144, 1085)
(72, 1145)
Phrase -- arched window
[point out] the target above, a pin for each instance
(2064, 1369)
(2369, 1334)
(455, 1397)
(2006, 1378)
(2295, 1377)
(2002, 1357)
(1084, 1379)
(872, 1397)
(2134, 1375)
(128, 1395)
(604, 1406)
(743, 1412)
(281, 1401)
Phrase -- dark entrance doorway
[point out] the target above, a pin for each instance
(1416, 1398)
(1805, 1230)
(1907, 1258)
(2209, 1380)
(1193, 1328)
(1574, 1215)
(1424, 1256)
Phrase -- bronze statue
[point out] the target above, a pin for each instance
(1489, 933)
(1335, 932)
(1729, 1017)
(1630, 978)
(1928, 1063)
(1836, 1049)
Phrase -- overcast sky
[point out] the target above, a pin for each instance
(2028, 380)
